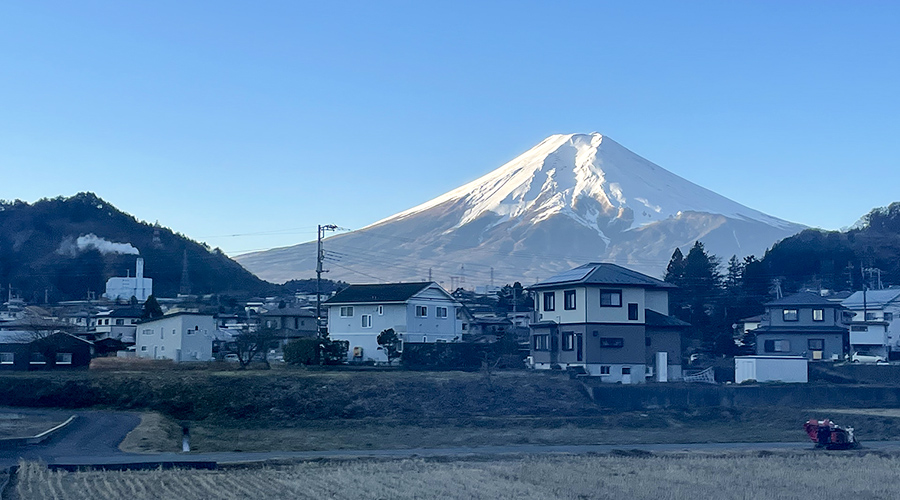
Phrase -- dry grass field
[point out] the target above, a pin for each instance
(759, 476)
(15, 423)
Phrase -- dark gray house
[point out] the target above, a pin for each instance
(26, 350)
(611, 321)
(804, 324)
(290, 323)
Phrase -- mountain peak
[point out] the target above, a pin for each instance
(590, 178)
(570, 199)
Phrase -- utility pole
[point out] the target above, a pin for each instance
(320, 256)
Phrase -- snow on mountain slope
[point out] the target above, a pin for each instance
(556, 174)
(570, 199)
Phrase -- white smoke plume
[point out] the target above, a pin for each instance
(93, 242)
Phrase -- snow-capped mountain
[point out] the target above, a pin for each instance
(571, 199)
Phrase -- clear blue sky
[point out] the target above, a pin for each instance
(263, 119)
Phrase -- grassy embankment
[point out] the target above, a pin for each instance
(758, 476)
(297, 409)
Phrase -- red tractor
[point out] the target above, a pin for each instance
(826, 434)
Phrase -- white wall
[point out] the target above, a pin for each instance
(399, 316)
(771, 369)
(657, 300)
(182, 337)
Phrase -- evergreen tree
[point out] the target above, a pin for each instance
(151, 308)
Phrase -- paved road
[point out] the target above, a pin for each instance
(94, 437)
(91, 433)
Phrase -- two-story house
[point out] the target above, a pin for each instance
(873, 330)
(179, 336)
(290, 323)
(804, 324)
(417, 312)
(118, 324)
(611, 321)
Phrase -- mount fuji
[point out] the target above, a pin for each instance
(571, 199)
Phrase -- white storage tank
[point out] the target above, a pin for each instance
(771, 369)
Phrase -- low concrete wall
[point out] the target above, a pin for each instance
(762, 395)
(36, 439)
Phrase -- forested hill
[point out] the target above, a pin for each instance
(67, 247)
(839, 260)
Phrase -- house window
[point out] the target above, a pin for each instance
(120, 322)
(347, 311)
(549, 301)
(610, 298)
(568, 341)
(147, 331)
(440, 312)
(818, 314)
(604, 369)
(64, 358)
(366, 320)
(612, 342)
(422, 311)
(381, 310)
(540, 342)
(816, 344)
(37, 359)
(143, 348)
(889, 316)
(626, 370)
(789, 314)
(632, 312)
(7, 358)
(569, 300)
(859, 328)
(777, 346)
(871, 316)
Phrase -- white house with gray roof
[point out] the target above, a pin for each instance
(608, 320)
(873, 328)
(418, 312)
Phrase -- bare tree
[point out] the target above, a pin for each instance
(255, 345)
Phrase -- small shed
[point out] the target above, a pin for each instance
(771, 369)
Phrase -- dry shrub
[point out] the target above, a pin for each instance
(812, 475)
(143, 364)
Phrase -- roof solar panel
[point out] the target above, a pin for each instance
(571, 275)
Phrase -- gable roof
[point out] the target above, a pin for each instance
(804, 299)
(875, 299)
(602, 273)
(653, 318)
(27, 337)
(389, 292)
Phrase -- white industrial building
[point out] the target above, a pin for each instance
(125, 288)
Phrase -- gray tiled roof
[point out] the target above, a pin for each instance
(390, 292)
(872, 298)
(653, 318)
(602, 273)
(803, 299)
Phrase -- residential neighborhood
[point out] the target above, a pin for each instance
(597, 320)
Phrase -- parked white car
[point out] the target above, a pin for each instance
(862, 357)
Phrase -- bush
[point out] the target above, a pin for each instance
(302, 352)
(446, 356)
